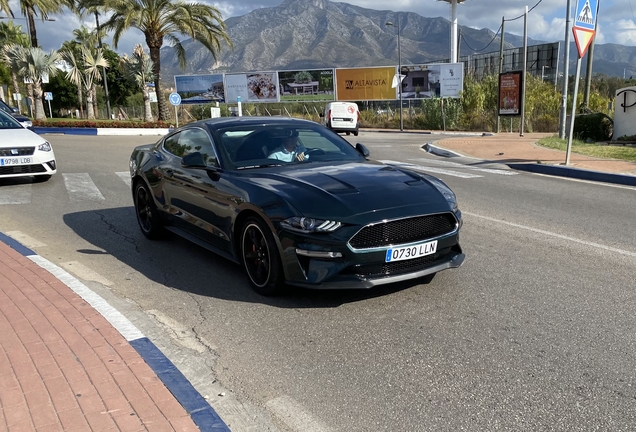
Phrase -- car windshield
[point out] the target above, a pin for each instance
(259, 146)
(8, 122)
(6, 108)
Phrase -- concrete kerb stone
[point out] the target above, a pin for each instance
(548, 169)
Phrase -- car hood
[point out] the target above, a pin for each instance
(20, 117)
(353, 189)
(10, 138)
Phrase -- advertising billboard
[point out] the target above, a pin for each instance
(200, 89)
(252, 87)
(365, 84)
(510, 89)
(432, 80)
(306, 85)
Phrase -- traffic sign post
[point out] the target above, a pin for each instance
(584, 30)
(48, 96)
(175, 99)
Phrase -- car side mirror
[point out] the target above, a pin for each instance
(193, 160)
(15, 110)
(363, 150)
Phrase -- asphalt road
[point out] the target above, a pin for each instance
(535, 331)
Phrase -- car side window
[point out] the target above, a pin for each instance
(196, 140)
(171, 144)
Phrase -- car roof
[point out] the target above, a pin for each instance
(224, 122)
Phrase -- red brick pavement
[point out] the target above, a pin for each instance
(64, 367)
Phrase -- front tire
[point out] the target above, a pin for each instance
(147, 214)
(259, 255)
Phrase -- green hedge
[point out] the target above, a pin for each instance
(100, 124)
(593, 127)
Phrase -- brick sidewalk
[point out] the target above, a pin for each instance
(64, 367)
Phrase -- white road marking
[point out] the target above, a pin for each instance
(29, 242)
(80, 187)
(83, 272)
(293, 415)
(20, 194)
(431, 169)
(458, 165)
(125, 176)
(552, 234)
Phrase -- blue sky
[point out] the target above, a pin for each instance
(546, 20)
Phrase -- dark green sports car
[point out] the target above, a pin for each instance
(294, 203)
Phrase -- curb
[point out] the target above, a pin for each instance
(553, 170)
(201, 412)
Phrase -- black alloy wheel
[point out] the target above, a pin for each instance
(260, 258)
(147, 213)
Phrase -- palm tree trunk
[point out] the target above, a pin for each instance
(80, 101)
(90, 114)
(95, 108)
(147, 108)
(156, 61)
(33, 34)
(16, 89)
(39, 105)
(30, 96)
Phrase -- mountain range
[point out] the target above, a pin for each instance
(311, 34)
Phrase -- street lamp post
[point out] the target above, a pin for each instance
(389, 23)
(99, 40)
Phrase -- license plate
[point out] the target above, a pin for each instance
(411, 252)
(16, 161)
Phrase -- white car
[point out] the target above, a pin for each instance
(23, 152)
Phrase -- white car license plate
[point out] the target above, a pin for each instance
(411, 252)
(16, 161)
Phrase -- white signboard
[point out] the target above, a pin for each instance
(252, 87)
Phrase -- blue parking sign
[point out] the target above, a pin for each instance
(48, 96)
(586, 14)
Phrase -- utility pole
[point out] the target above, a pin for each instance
(501, 62)
(566, 67)
(525, 68)
(588, 72)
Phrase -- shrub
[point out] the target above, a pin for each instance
(99, 124)
(594, 127)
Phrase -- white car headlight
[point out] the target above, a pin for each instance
(45, 146)
(27, 124)
(310, 225)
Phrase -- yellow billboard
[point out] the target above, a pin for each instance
(365, 83)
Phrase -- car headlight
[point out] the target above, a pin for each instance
(27, 123)
(448, 194)
(45, 146)
(310, 225)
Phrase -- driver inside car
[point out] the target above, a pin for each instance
(290, 150)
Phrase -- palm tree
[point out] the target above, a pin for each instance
(4, 7)
(12, 34)
(89, 39)
(165, 19)
(139, 69)
(32, 8)
(75, 48)
(33, 64)
(84, 71)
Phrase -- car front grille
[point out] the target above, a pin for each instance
(403, 231)
(21, 151)
(21, 169)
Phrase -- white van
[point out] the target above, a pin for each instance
(342, 117)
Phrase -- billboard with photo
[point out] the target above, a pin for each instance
(432, 80)
(306, 85)
(354, 84)
(252, 87)
(200, 89)
(510, 93)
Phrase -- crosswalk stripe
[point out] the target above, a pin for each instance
(81, 187)
(19, 194)
(125, 176)
(431, 169)
(458, 165)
